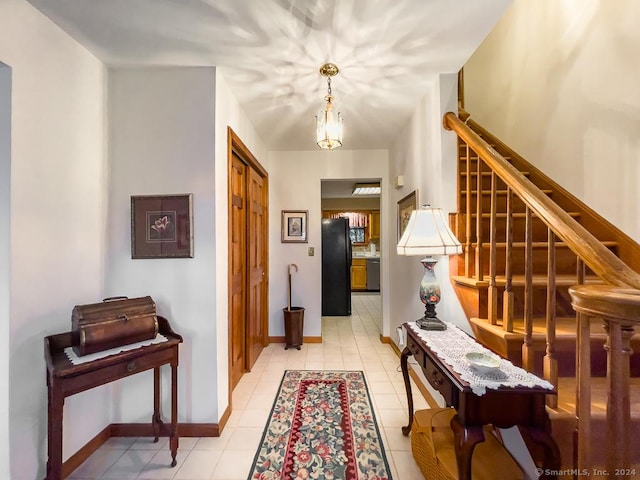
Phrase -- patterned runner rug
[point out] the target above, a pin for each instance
(321, 427)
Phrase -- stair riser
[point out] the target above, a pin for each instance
(539, 302)
(475, 302)
(473, 162)
(539, 229)
(566, 261)
(486, 181)
(517, 205)
(511, 348)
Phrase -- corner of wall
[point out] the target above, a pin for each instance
(5, 265)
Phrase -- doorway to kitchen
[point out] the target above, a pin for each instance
(358, 201)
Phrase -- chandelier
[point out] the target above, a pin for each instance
(328, 123)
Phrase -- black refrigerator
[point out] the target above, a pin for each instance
(336, 267)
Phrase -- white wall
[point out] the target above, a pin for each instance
(169, 135)
(295, 178)
(425, 154)
(5, 261)
(162, 142)
(227, 114)
(57, 221)
(557, 81)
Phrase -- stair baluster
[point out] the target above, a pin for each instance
(478, 266)
(468, 216)
(493, 290)
(583, 391)
(507, 299)
(550, 360)
(618, 348)
(527, 345)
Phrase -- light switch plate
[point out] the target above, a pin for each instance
(311, 251)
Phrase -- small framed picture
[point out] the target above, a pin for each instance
(162, 226)
(405, 206)
(294, 226)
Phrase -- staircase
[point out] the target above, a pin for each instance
(531, 249)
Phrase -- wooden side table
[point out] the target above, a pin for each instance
(65, 379)
(504, 407)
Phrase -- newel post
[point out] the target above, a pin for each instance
(620, 310)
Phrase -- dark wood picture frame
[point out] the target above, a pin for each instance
(406, 205)
(162, 226)
(295, 226)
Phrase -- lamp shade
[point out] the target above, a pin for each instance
(329, 128)
(428, 233)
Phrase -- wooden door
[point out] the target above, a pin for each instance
(248, 259)
(256, 301)
(237, 270)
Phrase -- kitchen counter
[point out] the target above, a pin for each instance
(365, 256)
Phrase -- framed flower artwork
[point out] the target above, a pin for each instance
(162, 226)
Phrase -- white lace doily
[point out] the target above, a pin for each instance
(451, 345)
(76, 360)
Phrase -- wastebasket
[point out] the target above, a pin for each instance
(293, 326)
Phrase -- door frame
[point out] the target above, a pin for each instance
(235, 144)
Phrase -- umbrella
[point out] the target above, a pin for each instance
(291, 265)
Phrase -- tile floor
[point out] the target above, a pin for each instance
(349, 343)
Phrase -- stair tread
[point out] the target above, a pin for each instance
(566, 280)
(567, 396)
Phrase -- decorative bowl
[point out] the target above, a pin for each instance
(482, 362)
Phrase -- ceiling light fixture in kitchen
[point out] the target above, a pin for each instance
(366, 189)
(328, 123)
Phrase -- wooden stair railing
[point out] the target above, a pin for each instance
(617, 302)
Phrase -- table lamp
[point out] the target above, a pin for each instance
(428, 234)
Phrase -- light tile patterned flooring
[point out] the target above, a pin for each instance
(349, 343)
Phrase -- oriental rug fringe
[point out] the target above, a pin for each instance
(321, 426)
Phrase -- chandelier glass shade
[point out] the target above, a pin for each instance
(328, 121)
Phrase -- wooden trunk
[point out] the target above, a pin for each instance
(112, 323)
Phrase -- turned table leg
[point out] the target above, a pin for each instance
(466, 438)
(407, 385)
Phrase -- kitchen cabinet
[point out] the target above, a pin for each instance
(365, 224)
(374, 225)
(358, 274)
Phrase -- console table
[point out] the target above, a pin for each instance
(65, 379)
(502, 407)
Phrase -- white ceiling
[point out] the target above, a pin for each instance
(269, 52)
